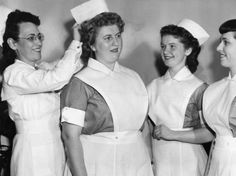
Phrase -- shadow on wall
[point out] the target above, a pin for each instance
(161, 68)
(68, 26)
(218, 71)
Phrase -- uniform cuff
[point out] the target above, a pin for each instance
(73, 116)
(75, 45)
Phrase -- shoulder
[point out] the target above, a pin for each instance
(74, 85)
(216, 85)
(128, 71)
(16, 69)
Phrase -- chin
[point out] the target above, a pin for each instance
(224, 64)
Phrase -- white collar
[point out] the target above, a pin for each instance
(181, 75)
(92, 63)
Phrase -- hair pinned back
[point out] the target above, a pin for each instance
(228, 26)
(90, 28)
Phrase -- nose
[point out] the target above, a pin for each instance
(116, 41)
(165, 50)
(38, 41)
(219, 47)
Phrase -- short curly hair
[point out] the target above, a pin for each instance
(12, 30)
(90, 28)
(188, 41)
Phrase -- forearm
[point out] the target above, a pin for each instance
(196, 136)
(74, 152)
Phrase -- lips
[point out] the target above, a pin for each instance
(222, 55)
(114, 50)
(37, 49)
(168, 57)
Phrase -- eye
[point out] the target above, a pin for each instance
(225, 42)
(118, 35)
(162, 46)
(30, 38)
(40, 36)
(172, 46)
(108, 38)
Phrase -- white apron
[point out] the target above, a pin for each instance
(168, 100)
(122, 152)
(37, 149)
(217, 102)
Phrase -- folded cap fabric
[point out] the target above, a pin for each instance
(195, 29)
(88, 10)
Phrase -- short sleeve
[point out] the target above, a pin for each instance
(232, 117)
(193, 114)
(74, 99)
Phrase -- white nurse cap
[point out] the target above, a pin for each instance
(195, 29)
(89, 10)
(4, 11)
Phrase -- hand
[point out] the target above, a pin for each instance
(76, 34)
(162, 132)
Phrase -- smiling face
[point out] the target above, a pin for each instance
(108, 45)
(173, 52)
(227, 50)
(28, 51)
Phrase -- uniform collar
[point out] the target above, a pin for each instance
(182, 74)
(231, 78)
(92, 63)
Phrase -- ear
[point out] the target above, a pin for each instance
(188, 51)
(93, 48)
(12, 43)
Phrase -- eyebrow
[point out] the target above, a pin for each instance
(33, 34)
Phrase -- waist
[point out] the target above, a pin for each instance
(225, 142)
(113, 137)
(36, 126)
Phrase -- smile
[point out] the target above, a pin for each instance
(114, 50)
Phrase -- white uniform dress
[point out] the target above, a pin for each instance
(217, 108)
(35, 109)
(122, 151)
(168, 101)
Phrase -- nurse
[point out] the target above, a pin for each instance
(104, 107)
(33, 98)
(175, 101)
(219, 106)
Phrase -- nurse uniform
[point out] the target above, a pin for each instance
(111, 106)
(219, 108)
(34, 106)
(176, 102)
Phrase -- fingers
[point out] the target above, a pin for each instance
(76, 34)
(76, 26)
(157, 132)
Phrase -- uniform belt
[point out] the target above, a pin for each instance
(36, 126)
(113, 137)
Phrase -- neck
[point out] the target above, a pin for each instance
(173, 71)
(110, 65)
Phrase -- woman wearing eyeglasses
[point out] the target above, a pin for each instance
(31, 94)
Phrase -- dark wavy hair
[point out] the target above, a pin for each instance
(12, 31)
(188, 41)
(90, 28)
(228, 26)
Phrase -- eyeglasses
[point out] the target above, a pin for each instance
(33, 37)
